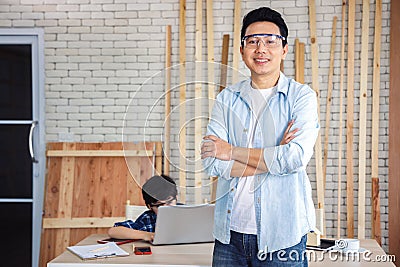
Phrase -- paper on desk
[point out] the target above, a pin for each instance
(98, 251)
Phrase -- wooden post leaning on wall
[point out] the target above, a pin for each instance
(197, 101)
(167, 120)
(315, 86)
(362, 147)
(350, 120)
(236, 42)
(224, 62)
(210, 55)
(182, 100)
(329, 97)
(342, 47)
(376, 222)
(299, 61)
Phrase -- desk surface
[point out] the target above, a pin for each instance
(201, 255)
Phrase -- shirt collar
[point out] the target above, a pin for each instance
(242, 88)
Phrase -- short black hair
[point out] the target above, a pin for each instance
(265, 14)
(159, 188)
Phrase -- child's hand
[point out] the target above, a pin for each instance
(148, 236)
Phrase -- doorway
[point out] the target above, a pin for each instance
(22, 144)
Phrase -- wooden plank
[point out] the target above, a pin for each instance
(315, 85)
(182, 100)
(329, 98)
(210, 55)
(49, 237)
(362, 147)
(299, 61)
(302, 51)
(82, 222)
(236, 41)
(167, 119)
(350, 120)
(198, 101)
(224, 61)
(158, 160)
(342, 48)
(376, 215)
(296, 58)
(100, 153)
(65, 198)
(376, 228)
(133, 186)
(394, 126)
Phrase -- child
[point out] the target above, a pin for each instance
(157, 191)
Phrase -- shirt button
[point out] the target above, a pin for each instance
(245, 130)
(229, 211)
(233, 189)
(258, 200)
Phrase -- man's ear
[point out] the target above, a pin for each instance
(285, 51)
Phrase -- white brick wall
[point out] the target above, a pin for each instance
(98, 53)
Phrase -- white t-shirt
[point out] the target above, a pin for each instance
(243, 218)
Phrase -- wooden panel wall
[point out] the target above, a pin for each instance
(87, 189)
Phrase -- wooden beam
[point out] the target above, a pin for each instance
(182, 100)
(210, 55)
(198, 101)
(350, 120)
(224, 61)
(81, 222)
(302, 52)
(362, 146)
(65, 198)
(376, 223)
(315, 86)
(236, 41)
(394, 126)
(329, 97)
(167, 120)
(101, 153)
(342, 48)
(376, 215)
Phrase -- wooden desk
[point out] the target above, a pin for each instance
(168, 255)
(201, 255)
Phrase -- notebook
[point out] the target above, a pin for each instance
(184, 224)
(98, 251)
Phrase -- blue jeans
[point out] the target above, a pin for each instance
(242, 251)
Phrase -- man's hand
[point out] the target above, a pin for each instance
(289, 135)
(216, 147)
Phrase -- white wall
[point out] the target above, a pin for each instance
(99, 53)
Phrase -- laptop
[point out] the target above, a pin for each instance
(184, 224)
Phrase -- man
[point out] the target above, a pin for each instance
(259, 141)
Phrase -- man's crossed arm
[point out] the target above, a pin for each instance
(247, 161)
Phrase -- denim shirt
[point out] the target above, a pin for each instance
(283, 200)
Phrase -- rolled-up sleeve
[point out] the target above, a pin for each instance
(217, 126)
(289, 158)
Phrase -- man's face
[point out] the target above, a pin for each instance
(262, 61)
